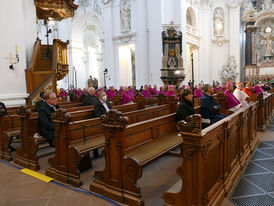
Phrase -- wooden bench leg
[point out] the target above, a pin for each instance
(5, 152)
(121, 187)
(64, 167)
(26, 154)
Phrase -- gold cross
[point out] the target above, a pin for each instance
(10, 58)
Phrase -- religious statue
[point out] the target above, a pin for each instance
(90, 81)
(219, 22)
(267, 4)
(228, 71)
(125, 15)
(96, 7)
(171, 61)
(268, 50)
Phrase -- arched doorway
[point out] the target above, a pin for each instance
(192, 45)
(86, 50)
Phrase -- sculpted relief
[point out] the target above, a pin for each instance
(229, 70)
(125, 15)
(219, 27)
(264, 42)
(219, 22)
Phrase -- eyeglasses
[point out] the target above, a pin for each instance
(53, 98)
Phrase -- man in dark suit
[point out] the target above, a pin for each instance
(90, 99)
(47, 129)
(185, 107)
(40, 103)
(4, 109)
(210, 108)
(102, 106)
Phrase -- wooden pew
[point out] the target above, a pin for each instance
(264, 111)
(10, 127)
(128, 149)
(26, 156)
(197, 102)
(74, 139)
(221, 99)
(213, 158)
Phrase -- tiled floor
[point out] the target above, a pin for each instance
(256, 185)
(17, 188)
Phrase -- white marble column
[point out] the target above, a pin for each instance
(109, 60)
(234, 32)
(15, 31)
(155, 41)
(205, 43)
(142, 59)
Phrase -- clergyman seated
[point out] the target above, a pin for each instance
(47, 129)
(210, 108)
(90, 99)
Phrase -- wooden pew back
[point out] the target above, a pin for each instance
(213, 157)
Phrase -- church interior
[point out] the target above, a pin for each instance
(137, 102)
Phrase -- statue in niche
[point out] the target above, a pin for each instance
(219, 22)
(96, 7)
(267, 4)
(228, 71)
(268, 50)
(165, 57)
(125, 15)
(171, 61)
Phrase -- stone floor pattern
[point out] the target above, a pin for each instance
(256, 185)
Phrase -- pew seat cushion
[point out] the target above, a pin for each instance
(149, 151)
(89, 144)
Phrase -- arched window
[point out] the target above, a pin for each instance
(190, 17)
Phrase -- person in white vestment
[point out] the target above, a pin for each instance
(241, 95)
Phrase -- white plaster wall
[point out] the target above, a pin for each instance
(13, 83)
(142, 51)
(171, 11)
(219, 54)
(125, 68)
(109, 54)
(29, 13)
(154, 41)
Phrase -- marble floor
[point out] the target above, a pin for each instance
(17, 188)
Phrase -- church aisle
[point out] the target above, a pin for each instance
(256, 185)
(19, 189)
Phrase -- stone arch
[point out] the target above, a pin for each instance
(191, 17)
(87, 48)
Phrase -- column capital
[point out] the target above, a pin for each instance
(105, 2)
(233, 4)
(207, 3)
